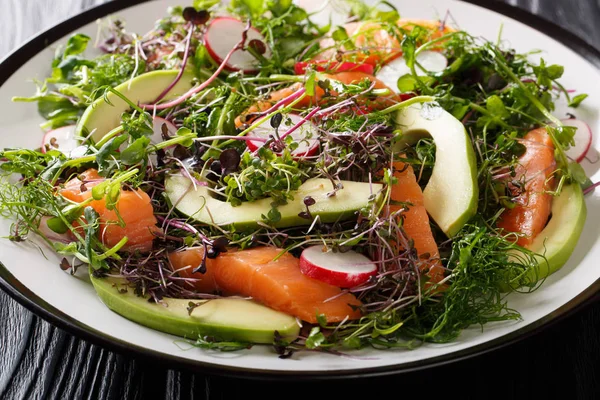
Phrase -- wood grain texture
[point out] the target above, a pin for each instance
(39, 361)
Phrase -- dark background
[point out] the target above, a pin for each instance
(39, 361)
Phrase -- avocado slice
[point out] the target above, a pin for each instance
(101, 117)
(200, 205)
(452, 193)
(560, 236)
(225, 319)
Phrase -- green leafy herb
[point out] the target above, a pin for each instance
(577, 100)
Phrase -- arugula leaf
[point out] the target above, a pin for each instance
(496, 107)
(53, 167)
(136, 151)
(67, 60)
(138, 125)
(563, 134)
(75, 45)
(576, 101)
(409, 47)
(578, 175)
(53, 106)
(108, 151)
(546, 74)
(339, 34)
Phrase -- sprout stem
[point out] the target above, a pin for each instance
(197, 88)
(186, 55)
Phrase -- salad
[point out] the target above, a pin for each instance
(245, 175)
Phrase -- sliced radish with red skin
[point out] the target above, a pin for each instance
(62, 139)
(431, 61)
(582, 138)
(305, 135)
(344, 270)
(157, 123)
(223, 34)
(332, 66)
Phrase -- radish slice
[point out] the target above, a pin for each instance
(345, 270)
(431, 61)
(157, 136)
(223, 34)
(582, 138)
(62, 139)
(305, 135)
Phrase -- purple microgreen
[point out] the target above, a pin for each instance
(186, 53)
(201, 17)
(230, 161)
(195, 17)
(215, 171)
(258, 46)
(203, 85)
(221, 244)
(276, 121)
(65, 264)
(164, 132)
(309, 201)
(188, 13)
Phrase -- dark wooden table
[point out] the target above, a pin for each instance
(39, 361)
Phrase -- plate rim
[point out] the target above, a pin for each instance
(24, 296)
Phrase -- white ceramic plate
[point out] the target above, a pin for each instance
(71, 303)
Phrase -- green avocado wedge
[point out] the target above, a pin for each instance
(224, 319)
(199, 204)
(101, 116)
(452, 193)
(560, 236)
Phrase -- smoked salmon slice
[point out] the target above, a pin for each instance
(376, 44)
(277, 284)
(134, 207)
(530, 185)
(346, 77)
(416, 221)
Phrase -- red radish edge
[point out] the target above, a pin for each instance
(219, 58)
(582, 138)
(332, 66)
(344, 270)
(300, 152)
